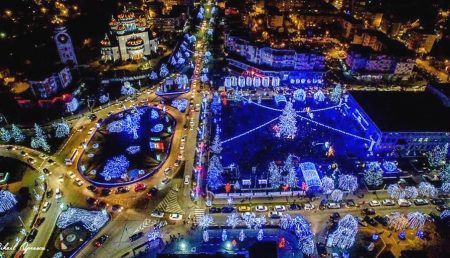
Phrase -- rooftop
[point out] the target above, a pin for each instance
(404, 111)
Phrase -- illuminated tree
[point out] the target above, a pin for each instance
(7, 201)
(205, 222)
(394, 191)
(115, 167)
(275, 177)
(445, 188)
(17, 134)
(327, 184)
(62, 129)
(216, 147)
(153, 76)
(427, 190)
(374, 175)
(336, 94)
(103, 99)
(289, 169)
(344, 236)
(39, 140)
(397, 221)
(287, 127)
(437, 156)
(348, 183)
(445, 174)
(416, 220)
(72, 106)
(410, 192)
(336, 195)
(127, 89)
(5, 135)
(215, 173)
(233, 220)
(163, 71)
(307, 246)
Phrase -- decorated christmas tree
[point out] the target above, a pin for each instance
(287, 127)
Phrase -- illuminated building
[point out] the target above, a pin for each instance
(46, 86)
(402, 123)
(129, 38)
(301, 64)
(65, 47)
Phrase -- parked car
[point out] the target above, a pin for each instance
(175, 217)
(374, 203)
(167, 171)
(105, 192)
(228, 209)
(388, 202)
(116, 208)
(333, 205)
(437, 201)
(157, 214)
(139, 187)
(309, 206)
(260, 208)
(279, 208)
(244, 208)
(350, 203)
(32, 235)
(136, 236)
(91, 201)
(294, 207)
(420, 202)
(39, 221)
(58, 193)
(100, 241)
(122, 189)
(165, 181)
(370, 221)
(92, 188)
(403, 203)
(275, 214)
(368, 211)
(382, 220)
(187, 179)
(215, 210)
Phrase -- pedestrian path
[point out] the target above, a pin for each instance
(170, 203)
(198, 214)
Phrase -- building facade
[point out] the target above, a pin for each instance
(65, 47)
(129, 38)
(46, 87)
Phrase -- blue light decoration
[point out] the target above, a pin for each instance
(180, 104)
(389, 166)
(115, 127)
(300, 95)
(7, 201)
(133, 149)
(115, 167)
(280, 98)
(132, 123)
(402, 235)
(420, 234)
(154, 114)
(375, 237)
(157, 128)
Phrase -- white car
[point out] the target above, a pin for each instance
(91, 131)
(71, 175)
(46, 206)
(403, 203)
(260, 208)
(309, 206)
(167, 171)
(279, 208)
(78, 181)
(186, 179)
(388, 202)
(58, 194)
(374, 203)
(157, 214)
(333, 205)
(176, 217)
(275, 214)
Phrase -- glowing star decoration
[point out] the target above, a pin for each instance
(427, 190)
(233, 220)
(336, 195)
(133, 149)
(62, 129)
(92, 221)
(287, 127)
(260, 235)
(205, 221)
(39, 140)
(103, 99)
(7, 201)
(215, 170)
(115, 167)
(348, 183)
(16, 134)
(157, 128)
(5, 135)
(416, 220)
(344, 236)
(154, 235)
(327, 185)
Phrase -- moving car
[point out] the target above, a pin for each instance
(176, 217)
(165, 181)
(58, 194)
(228, 209)
(78, 181)
(39, 221)
(368, 211)
(46, 206)
(215, 210)
(92, 188)
(136, 236)
(186, 179)
(139, 187)
(122, 189)
(100, 241)
(91, 201)
(32, 235)
(437, 201)
(105, 192)
(167, 171)
(157, 214)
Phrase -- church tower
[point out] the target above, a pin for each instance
(65, 46)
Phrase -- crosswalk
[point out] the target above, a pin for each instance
(198, 214)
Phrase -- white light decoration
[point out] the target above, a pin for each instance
(133, 149)
(437, 156)
(215, 170)
(336, 195)
(180, 104)
(348, 183)
(233, 81)
(319, 96)
(259, 222)
(289, 170)
(16, 134)
(72, 106)
(344, 236)
(427, 190)
(394, 191)
(327, 184)
(115, 127)
(224, 235)
(265, 82)
(153, 76)
(205, 221)
(397, 221)
(248, 219)
(373, 176)
(249, 81)
(416, 220)
(257, 82)
(233, 220)
(300, 95)
(260, 235)
(157, 128)
(115, 167)
(39, 140)
(62, 129)
(205, 236)
(336, 94)
(5, 135)
(287, 127)
(241, 236)
(216, 146)
(275, 177)
(92, 221)
(285, 221)
(227, 82)
(445, 188)
(410, 192)
(7, 201)
(163, 71)
(241, 81)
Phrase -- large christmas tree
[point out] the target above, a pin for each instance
(39, 140)
(215, 173)
(287, 127)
